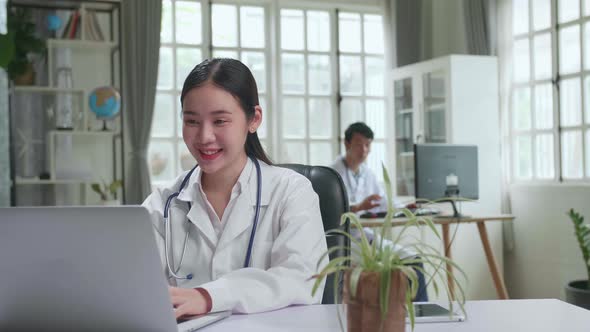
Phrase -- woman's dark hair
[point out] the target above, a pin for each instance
(360, 128)
(235, 78)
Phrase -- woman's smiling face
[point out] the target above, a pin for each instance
(215, 129)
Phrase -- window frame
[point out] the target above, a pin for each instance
(555, 80)
(364, 97)
(274, 96)
(175, 91)
(306, 95)
(269, 93)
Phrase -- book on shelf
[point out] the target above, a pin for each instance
(88, 18)
(72, 27)
(92, 27)
(64, 31)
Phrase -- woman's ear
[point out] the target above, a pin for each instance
(256, 119)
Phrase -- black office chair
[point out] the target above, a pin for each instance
(331, 191)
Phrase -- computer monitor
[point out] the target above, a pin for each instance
(446, 171)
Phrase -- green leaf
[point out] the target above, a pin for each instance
(20, 40)
(388, 190)
(582, 233)
(328, 253)
(428, 221)
(114, 186)
(343, 233)
(96, 188)
(384, 289)
(410, 309)
(17, 67)
(7, 49)
(320, 277)
(355, 276)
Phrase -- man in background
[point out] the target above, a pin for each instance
(364, 192)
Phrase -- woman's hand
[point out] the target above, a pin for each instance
(187, 301)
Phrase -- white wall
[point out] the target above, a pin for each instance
(545, 253)
(4, 140)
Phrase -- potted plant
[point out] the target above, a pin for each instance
(16, 46)
(379, 285)
(577, 292)
(107, 192)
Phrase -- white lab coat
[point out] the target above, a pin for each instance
(287, 246)
(365, 186)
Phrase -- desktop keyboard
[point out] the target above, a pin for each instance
(400, 214)
(425, 211)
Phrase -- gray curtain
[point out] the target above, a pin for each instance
(409, 39)
(480, 26)
(140, 52)
(4, 150)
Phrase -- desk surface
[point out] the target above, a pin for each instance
(437, 219)
(483, 316)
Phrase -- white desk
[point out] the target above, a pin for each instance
(482, 316)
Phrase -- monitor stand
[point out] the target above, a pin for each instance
(456, 213)
(452, 193)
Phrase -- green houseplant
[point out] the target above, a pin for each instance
(578, 291)
(379, 285)
(17, 44)
(107, 191)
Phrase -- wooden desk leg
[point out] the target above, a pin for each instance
(498, 279)
(447, 244)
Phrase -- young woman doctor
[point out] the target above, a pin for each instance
(235, 233)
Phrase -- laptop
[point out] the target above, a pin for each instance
(84, 268)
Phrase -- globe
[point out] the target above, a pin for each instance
(53, 22)
(105, 102)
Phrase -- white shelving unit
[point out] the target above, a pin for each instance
(45, 89)
(85, 44)
(443, 101)
(84, 153)
(37, 181)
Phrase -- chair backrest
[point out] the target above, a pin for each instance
(331, 191)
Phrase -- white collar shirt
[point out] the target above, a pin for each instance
(219, 225)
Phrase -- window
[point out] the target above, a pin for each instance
(550, 94)
(181, 47)
(239, 32)
(323, 83)
(362, 80)
(307, 111)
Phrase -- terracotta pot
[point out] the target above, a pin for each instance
(363, 311)
(27, 78)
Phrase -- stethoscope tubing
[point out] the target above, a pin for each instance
(256, 212)
(168, 227)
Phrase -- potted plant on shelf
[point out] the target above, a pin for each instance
(577, 292)
(379, 285)
(107, 192)
(17, 45)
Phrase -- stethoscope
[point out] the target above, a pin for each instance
(354, 183)
(168, 228)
